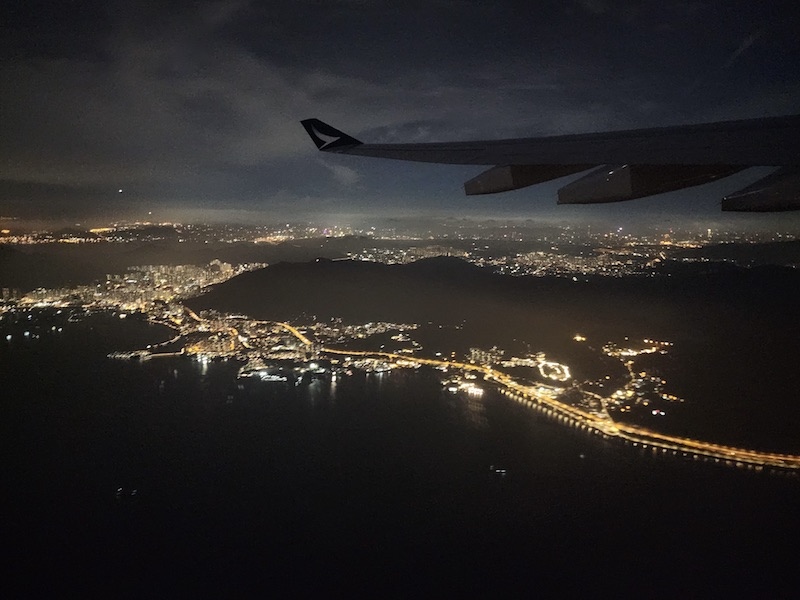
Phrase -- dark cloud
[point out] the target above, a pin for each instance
(188, 103)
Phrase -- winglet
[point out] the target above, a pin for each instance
(327, 137)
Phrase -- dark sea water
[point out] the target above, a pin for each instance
(166, 479)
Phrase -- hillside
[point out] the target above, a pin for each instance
(734, 330)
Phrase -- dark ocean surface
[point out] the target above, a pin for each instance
(166, 479)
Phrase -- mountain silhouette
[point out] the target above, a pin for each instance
(449, 290)
(355, 291)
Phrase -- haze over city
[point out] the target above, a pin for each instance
(190, 112)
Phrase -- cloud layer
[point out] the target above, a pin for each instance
(201, 102)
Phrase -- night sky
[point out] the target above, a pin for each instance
(192, 109)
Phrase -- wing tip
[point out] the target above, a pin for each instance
(326, 137)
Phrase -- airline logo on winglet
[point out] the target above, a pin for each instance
(327, 137)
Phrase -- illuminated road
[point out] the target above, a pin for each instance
(193, 314)
(295, 333)
(599, 422)
(545, 397)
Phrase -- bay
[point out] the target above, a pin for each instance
(171, 478)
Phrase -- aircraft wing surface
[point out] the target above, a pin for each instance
(628, 164)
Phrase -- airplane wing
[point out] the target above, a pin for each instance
(627, 164)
